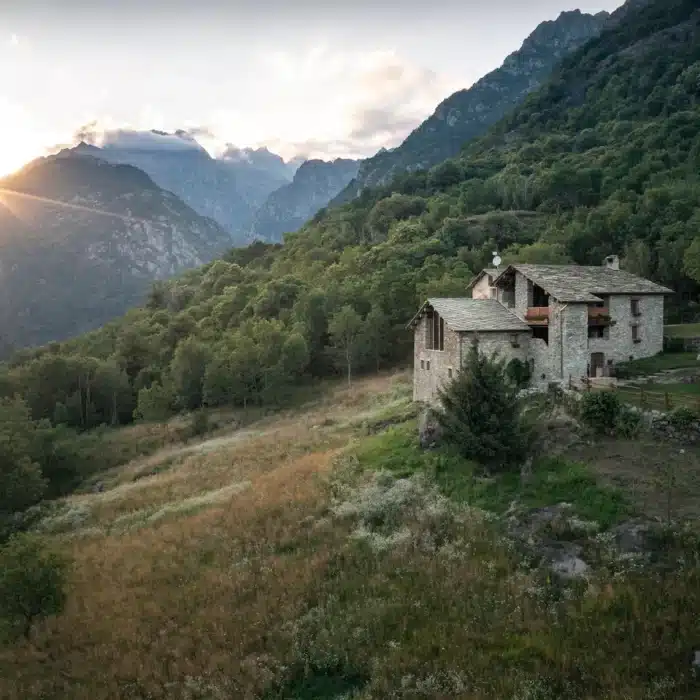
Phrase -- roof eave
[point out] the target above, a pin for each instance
(414, 321)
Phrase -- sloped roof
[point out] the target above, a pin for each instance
(464, 314)
(492, 271)
(578, 283)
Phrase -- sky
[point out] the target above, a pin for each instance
(298, 76)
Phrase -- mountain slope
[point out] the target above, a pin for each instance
(315, 183)
(82, 239)
(227, 189)
(468, 113)
(604, 159)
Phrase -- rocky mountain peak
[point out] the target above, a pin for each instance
(468, 113)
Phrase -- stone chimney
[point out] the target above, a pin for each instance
(612, 262)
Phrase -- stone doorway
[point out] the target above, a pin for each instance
(596, 367)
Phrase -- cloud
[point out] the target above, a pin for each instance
(329, 102)
(324, 102)
(140, 140)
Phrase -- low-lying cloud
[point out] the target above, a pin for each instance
(325, 103)
(138, 140)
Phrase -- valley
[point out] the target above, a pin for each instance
(228, 468)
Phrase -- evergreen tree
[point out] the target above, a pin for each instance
(480, 415)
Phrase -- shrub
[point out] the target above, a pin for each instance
(480, 414)
(519, 373)
(673, 344)
(32, 583)
(600, 410)
(199, 423)
(628, 423)
(682, 418)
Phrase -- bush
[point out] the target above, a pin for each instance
(199, 424)
(32, 583)
(673, 344)
(480, 415)
(600, 410)
(682, 418)
(519, 373)
(628, 423)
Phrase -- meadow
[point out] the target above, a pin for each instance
(319, 553)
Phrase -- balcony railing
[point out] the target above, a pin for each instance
(539, 315)
(598, 316)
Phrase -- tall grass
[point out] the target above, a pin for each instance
(281, 590)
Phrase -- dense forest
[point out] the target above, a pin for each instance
(604, 159)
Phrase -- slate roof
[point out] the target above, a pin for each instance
(464, 314)
(576, 283)
(487, 271)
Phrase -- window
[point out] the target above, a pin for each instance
(635, 334)
(635, 307)
(514, 340)
(427, 365)
(434, 331)
(598, 332)
(438, 332)
(422, 364)
(449, 372)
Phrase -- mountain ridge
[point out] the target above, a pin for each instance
(467, 113)
(82, 239)
(313, 186)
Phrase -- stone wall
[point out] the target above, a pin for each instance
(575, 341)
(523, 295)
(540, 357)
(432, 368)
(620, 345)
(666, 427)
(482, 289)
(500, 343)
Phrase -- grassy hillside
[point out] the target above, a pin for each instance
(320, 554)
(603, 159)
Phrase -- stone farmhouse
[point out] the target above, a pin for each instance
(568, 322)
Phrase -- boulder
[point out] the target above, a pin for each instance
(429, 432)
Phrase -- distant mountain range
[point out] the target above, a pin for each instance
(145, 205)
(81, 240)
(315, 184)
(468, 113)
(227, 189)
(252, 193)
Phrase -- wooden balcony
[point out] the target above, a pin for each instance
(598, 316)
(537, 315)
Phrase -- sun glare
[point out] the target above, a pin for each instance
(19, 143)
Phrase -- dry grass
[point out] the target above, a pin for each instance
(192, 593)
(646, 469)
(272, 566)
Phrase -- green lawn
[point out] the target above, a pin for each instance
(658, 363)
(683, 330)
(554, 480)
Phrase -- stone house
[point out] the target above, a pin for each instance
(567, 322)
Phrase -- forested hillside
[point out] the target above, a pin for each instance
(468, 113)
(604, 159)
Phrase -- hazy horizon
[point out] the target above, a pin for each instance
(306, 80)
